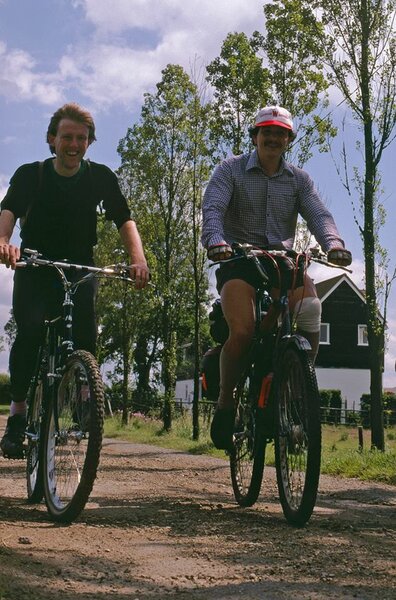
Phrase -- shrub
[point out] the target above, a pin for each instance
(331, 403)
(5, 389)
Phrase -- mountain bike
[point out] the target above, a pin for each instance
(277, 397)
(65, 400)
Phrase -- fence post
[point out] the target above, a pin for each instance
(360, 435)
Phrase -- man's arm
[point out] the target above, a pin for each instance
(217, 197)
(133, 244)
(9, 254)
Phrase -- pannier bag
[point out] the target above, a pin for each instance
(210, 371)
(218, 324)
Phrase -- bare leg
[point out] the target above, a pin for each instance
(238, 303)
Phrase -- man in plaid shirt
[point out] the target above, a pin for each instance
(256, 198)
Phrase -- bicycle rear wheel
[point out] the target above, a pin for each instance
(34, 454)
(297, 435)
(247, 456)
(73, 438)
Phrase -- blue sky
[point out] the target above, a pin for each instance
(105, 56)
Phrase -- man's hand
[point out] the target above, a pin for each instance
(140, 274)
(9, 254)
(339, 256)
(219, 252)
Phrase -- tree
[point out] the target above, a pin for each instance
(10, 329)
(119, 308)
(241, 85)
(361, 52)
(157, 169)
(199, 175)
(292, 45)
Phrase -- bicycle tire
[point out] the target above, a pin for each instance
(248, 454)
(34, 451)
(72, 450)
(297, 435)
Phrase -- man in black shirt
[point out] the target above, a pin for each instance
(56, 202)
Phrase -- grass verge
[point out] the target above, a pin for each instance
(341, 454)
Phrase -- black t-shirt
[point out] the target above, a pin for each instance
(58, 214)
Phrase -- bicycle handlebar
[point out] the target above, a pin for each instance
(249, 251)
(116, 271)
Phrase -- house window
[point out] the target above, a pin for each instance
(362, 335)
(324, 333)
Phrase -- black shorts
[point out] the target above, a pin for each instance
(284, 274)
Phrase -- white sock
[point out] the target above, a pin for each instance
(17, 408)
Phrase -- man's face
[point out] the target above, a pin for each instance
(70, 143)
(271, 141)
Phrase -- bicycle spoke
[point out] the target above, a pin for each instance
(297, 441)
(74, 437)
(247, 457)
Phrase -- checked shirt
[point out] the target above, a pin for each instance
(242, 204)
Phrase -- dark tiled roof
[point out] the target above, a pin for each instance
(323, 287)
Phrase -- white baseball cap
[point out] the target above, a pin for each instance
(274, 115)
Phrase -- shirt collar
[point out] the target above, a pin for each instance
(254, 163)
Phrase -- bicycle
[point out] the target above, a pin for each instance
(277, 397)
(65, 415)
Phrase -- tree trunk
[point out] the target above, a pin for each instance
(169, 376)
(374, 333)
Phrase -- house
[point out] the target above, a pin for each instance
(343, 357)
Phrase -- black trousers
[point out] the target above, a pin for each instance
(38, 295)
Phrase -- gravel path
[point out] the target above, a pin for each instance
(163, 524)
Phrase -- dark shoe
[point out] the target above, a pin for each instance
(14, 435)
(222, 428)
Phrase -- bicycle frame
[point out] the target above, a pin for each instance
(276, 314)
(276, 397)
(58, 332)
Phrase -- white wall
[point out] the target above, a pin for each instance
(184, 391)
(352, 383)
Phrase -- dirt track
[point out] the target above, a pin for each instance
(163, 524)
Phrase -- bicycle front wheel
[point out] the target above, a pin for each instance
(297, 435)
(34, 458)
(73, 438)
(248, 454)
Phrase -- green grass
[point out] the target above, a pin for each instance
(340, 447)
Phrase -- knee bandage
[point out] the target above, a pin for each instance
(307, 313)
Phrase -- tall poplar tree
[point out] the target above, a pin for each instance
(157, 163)
(292, 45)
(240, 87)
(361, 53)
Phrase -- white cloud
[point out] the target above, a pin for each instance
(114, 68)
(111, 66)
(108, 74)
(19, 81)
(170, 15)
